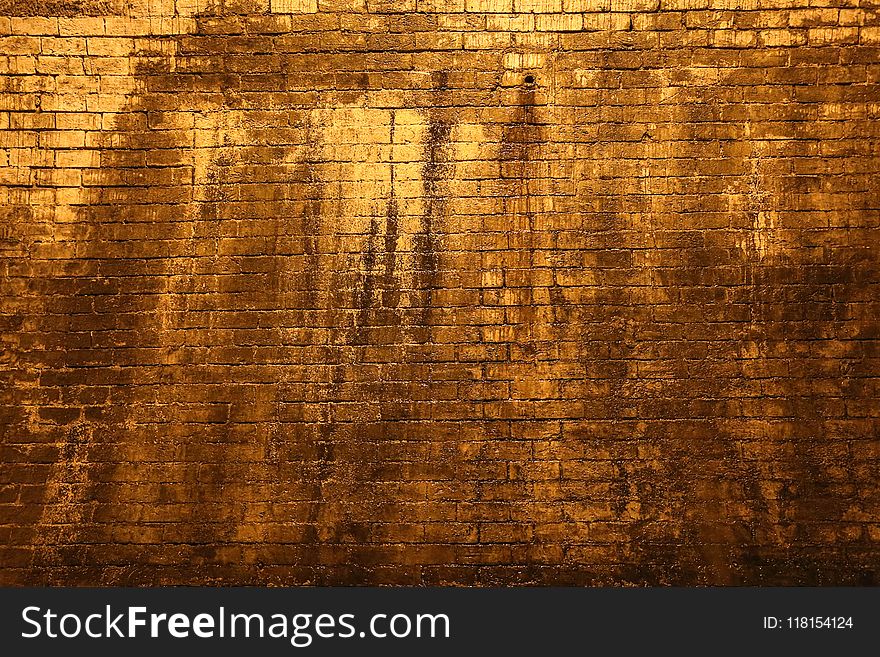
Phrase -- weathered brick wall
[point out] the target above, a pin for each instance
(439, 291)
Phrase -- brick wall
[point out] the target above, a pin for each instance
(439, 291)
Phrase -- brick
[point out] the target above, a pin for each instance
(559, 22)
(80, 26)
(294, 6)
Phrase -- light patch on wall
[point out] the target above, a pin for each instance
(762, 232)
(373, 167)
(469, 140)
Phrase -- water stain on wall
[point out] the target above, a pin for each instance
(330, 307)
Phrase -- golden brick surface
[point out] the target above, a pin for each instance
(439, 292)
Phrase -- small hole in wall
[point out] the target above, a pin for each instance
(530, 79)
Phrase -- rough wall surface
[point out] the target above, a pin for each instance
(439, 292)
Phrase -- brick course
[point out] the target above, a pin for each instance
(439, 292)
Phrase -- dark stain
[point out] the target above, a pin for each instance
(366, 290)
(390, 286)
(379, 291)
(520, 153)
(620, 489)
(427, 242)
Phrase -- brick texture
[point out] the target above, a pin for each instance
(439, 292)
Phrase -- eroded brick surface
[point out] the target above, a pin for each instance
(439, 292)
